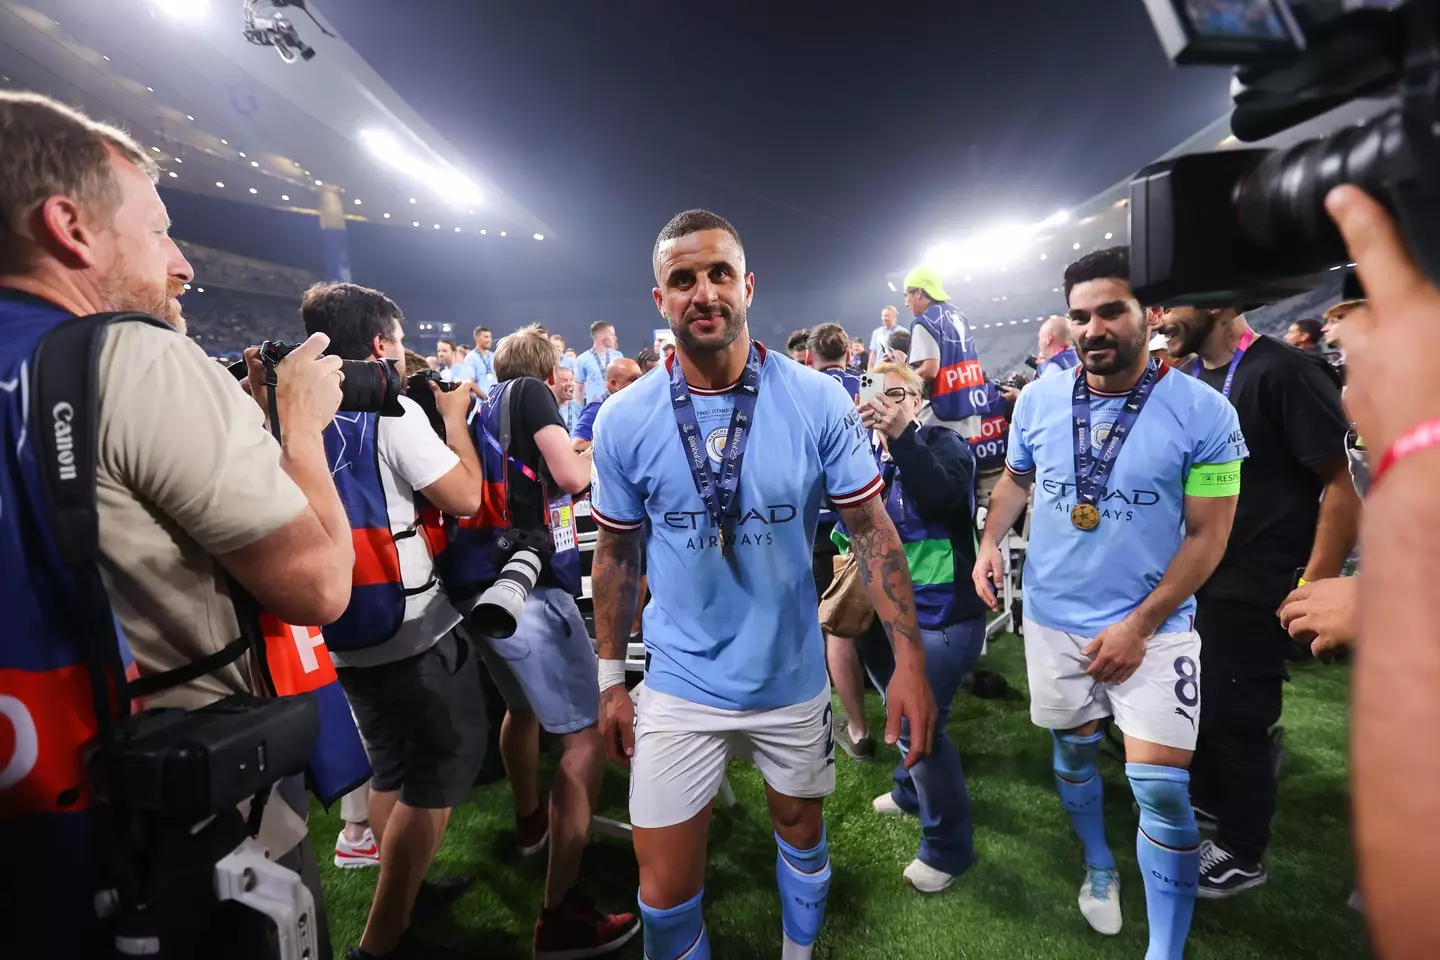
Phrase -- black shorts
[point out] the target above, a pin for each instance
(423, 722)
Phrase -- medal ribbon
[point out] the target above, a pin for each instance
(1093, 470)
(1240, 348)
(717, 494)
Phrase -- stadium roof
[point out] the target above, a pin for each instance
(1009, 274)
(230, 119)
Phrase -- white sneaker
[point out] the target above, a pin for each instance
(1100, 900)
(926, 878)
(354, 856)
(886, 806)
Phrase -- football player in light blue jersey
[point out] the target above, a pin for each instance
(1136, 472)
(737, 660)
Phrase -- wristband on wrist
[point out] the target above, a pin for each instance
(1420, 437)
(612, 672)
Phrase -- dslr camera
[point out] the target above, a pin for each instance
(369, 386)
(1249, 225)
(500, 606)
(417, 388)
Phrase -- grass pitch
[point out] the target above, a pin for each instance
(1017, 902)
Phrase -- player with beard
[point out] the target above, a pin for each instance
(737, 660)
(1298, 511)
(1136, 470)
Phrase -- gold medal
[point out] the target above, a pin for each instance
(1085, 516)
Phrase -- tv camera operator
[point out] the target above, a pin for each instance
(515, 565)
(138, 482)
(410, 677)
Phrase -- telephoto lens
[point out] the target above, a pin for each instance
(498, 611)
(369, 386)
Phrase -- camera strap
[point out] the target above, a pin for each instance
(65, 420)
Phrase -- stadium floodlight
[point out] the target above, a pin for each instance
(284, 196)
(891, 285)
(991, 248)
(539, 236)
(1109, 235)
(184, 9)
(450, 183)
(1057, 219)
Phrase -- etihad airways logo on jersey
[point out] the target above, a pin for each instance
(1114, 505)
(752, 528)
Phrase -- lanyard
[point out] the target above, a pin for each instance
(718, 495)
(528, 473)
(1240, 348)
(1092, 470)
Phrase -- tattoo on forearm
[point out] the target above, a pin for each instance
(615, 586)
(885, 570)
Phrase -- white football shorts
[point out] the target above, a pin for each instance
(681, 749)
(1160, 703)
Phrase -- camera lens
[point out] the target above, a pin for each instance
(370, 386)
(1281, 202)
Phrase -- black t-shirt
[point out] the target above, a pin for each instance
(533, 408)
(1290, 412)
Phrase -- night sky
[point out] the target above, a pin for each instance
(841, 139)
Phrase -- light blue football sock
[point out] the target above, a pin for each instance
(676, 933)
(1082, 794)
(804, 880)
(1167, 847)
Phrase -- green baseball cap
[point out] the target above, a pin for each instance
(928, 280)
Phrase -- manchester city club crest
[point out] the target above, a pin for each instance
(1098, 434)
(715, 443)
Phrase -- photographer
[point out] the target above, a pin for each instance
(545, 664)
(411, 679)
(191, 488)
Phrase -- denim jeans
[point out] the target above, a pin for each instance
(935, 787)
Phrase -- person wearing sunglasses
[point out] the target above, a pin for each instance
(929, 475)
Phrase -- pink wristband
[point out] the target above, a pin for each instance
(1422, 436)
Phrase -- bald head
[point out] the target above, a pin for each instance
(620, 374)
(1054, 336)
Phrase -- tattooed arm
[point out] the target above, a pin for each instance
(615, 586)
(886, 574)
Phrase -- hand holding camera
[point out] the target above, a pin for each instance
(308, 386)
(453, 404)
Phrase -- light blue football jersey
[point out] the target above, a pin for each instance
(738, 632)
(1084, 581)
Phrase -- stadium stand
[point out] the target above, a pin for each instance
(236, 302)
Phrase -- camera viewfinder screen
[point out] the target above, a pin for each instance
(1238, 19)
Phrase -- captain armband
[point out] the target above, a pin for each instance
(1213, 480)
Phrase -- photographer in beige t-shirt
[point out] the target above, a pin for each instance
(191, 486)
